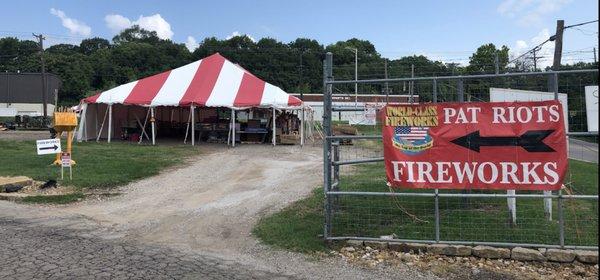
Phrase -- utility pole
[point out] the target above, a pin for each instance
(387, 88)
(300, 78)
(558, 43)
(595, 61)
(534, 59)
(41, 39)
(496, 63)
(355, 50)
(411, 84)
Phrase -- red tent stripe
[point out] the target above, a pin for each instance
(294, 101)
(204, 81)
(250, 91)
(92, 99)
(146, 89)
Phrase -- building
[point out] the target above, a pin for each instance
(364, 101)
(21, 94)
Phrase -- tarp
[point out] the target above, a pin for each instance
(493, 145)
(210, 82)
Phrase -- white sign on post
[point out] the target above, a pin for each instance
(591, 107)
(65, 159)
(48, 146)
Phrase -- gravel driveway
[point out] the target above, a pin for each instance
(202, 215)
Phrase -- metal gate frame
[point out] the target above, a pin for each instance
(331, 160)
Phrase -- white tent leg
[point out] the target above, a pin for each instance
(193, 125)
(274, 128)
(153, 123)
(187, 128)
(233, 127)
(302, 128)
(109, 122)
(102, 125)
(80, 129)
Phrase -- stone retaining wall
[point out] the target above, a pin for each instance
(516, 253)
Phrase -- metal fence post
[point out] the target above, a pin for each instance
(561, 220)
(437, 198)
(461, 91)
(437, 216)
(327, 89)
(336, 168)
(434, 99)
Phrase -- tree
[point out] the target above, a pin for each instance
(89, 46)
(136, 34)
(483, 60)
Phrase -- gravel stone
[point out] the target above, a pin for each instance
(556, 255)
(590, 257)
(524, 254)
(449, 250)
(491, 252)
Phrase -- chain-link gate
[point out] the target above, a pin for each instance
(362, 207)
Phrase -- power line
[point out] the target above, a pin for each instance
(580, 24)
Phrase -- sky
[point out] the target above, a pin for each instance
(442, 30)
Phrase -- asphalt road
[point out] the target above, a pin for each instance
(582, 150)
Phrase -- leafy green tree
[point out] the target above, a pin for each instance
(89, 46)
(483, 60)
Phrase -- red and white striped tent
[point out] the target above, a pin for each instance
(213, 81)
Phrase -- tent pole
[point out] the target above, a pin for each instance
(102, 125)
(109, 122)
(153, 123)
(274, 129)
(187, 128)
(81, 127)
(193, 116)
(302, 128)
(233, 127)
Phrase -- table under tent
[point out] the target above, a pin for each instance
(212, 100)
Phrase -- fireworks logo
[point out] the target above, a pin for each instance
(412, 140)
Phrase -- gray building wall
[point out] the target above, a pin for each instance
(23, 92)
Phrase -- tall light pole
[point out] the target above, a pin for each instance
(355, 50)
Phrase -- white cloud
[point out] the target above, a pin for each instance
(191, 43)
(156, 22)
(75, 27)
(237, 34)
(116, 23)
(530, 12)
(544, 55)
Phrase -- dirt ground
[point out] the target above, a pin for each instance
(210, 206)
(213, 203)
(24, 135)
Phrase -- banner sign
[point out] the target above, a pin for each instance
(491, 145)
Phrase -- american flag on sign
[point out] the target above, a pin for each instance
(411, 132)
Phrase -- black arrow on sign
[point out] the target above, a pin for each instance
(50, 148)
(531, 141)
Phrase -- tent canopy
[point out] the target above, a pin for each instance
(212, 81)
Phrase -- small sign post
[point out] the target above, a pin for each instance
(48, 146)
(65, 159)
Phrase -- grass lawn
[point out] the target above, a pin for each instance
(54, 199)
(99, 165)
(299, 227)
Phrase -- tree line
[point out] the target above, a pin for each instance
(98, 64)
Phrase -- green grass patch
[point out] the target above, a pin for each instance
(54, 199)
(298, 226)
(99, 165)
